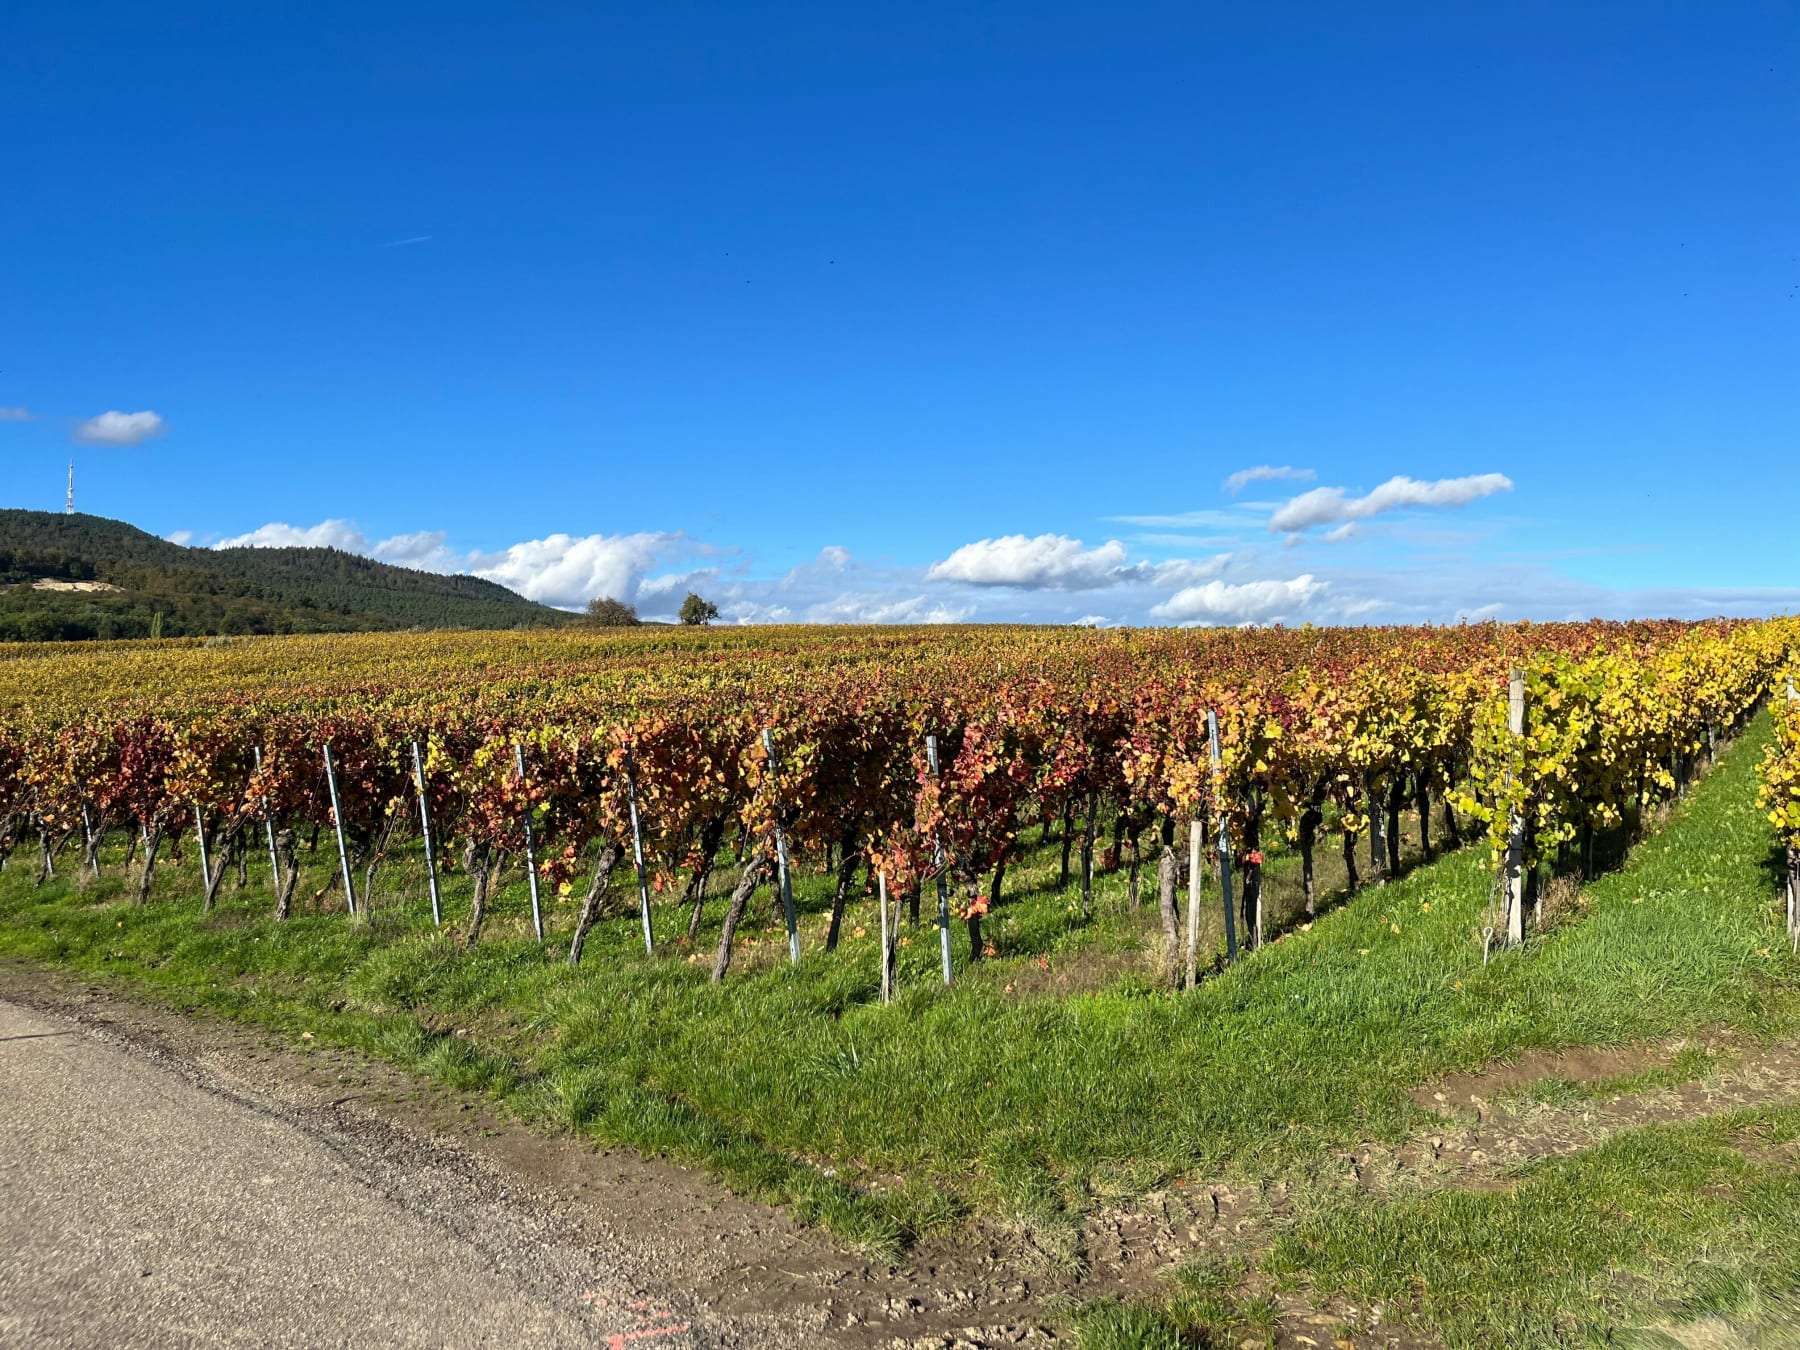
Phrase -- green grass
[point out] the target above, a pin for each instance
(1203, 1308)
(1664, 1224)
(1660, 1230)
(1028, 1106)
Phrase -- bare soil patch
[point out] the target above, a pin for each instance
(1577, 1064)
(58, 584)
(1494, 1124)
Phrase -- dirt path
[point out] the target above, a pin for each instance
(142, 1132)
(146, 1130)
(140, 1209)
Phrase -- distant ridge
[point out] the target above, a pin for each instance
(78, 576)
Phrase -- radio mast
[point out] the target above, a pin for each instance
(69, 502)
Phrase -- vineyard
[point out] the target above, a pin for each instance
(911, 764)
(1209, 904)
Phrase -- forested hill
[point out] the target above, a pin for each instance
(76, 576)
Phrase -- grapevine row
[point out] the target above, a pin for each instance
(584, 751)
(1781, 787)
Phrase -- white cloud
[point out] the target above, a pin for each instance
(1345, 531)
(326, 534)
(832, 566)
(1188, 571)
(180, 537)
(1263, 473)
(1044, 562)
(758, 602)
(1018, 578)
(424, 550)
(561, 569)
(16, 415)
(1331, 505)
(120, 428)
(749, 612)
(570, 570)
(1049, 579)
(675, 585)
(660, 596)
(1268, 601)
(1091, 621)
(882, 609)
(1453, 591)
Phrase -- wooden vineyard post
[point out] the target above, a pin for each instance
(337, 824)
(782, 879)
(1196, 848)
(1212, 743)
(637, 855)
(1512, 880)
(431, 876)
(937, 860)
(537, 911)
(269, 831)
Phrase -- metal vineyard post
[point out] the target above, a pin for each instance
(781, 858)
(200, 839)
(537, 912)
(887, 952)
(1512, 877)
(1196, 848)
(637, 856)
(937, 860)
(1212, 745)
(269, 829)
(431, 875)
(337, 823)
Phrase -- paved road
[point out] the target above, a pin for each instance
(138, 1208)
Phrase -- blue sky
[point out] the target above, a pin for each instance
(931, 311)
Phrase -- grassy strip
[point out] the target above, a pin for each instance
(1002, 1094)
(1204, 1308)
(1660, 1231)
(1664, 1224)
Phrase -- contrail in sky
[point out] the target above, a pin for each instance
(402, 243)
